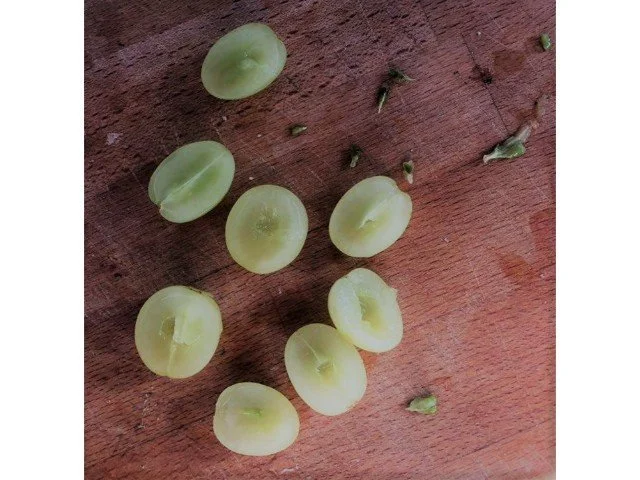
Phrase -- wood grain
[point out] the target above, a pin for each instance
(475, 270)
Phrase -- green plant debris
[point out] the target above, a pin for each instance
(355, 154)
(426, 405)
(297, 129)
(513, 146)
(399, 76)
(510, 148)
(394, 75)
(545, 41)
(383, 95)
(407, 170)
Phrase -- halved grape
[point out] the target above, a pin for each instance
(243, 62)
(325, 369)
(266, 229)
(192, 180)
(177, 331)
(253, 419)
(365, 310)
(370, 217)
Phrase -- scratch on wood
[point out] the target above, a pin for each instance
(504, 125)
(142, 187)
(314, 174)
(364, 17)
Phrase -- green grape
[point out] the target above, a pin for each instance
(192, 180)
(253, 419)
(370, 217)
(266, 229)
(325, 369)
(243, 62)
(365, 310)
(177, 331)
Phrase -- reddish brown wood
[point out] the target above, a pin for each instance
(475, 269)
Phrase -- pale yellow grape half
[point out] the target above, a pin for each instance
(365, 310)
(325, 369)
(192, 180)
(253, 419)
(266, 228)
(243, 62)
(177, 331)
(370, 217)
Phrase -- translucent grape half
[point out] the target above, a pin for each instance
(192, 180)
(325, 369)
(253, 419)
(370, 217)
(243, 62)
(365, 310)
(266, 228)
(177, 331)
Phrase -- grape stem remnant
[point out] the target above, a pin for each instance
(394, 76)
(513, 146)
(355, 154)
(297, 129)
(407, 170)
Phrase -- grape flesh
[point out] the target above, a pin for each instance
(253, 419)
(325, 369)
(177, 331)
(192, 180)
(266, 229)
(243, 62)
(365, 309)
(370, 217)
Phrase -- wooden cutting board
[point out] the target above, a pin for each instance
(475, 269)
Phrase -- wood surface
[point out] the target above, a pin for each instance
(475, 269)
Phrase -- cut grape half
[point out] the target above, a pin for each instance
(243, 62)
(370, 217)
(253, 419)
(192, 180)
(365, 310)
(325, 369)
(177, 331)
(266, 229)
